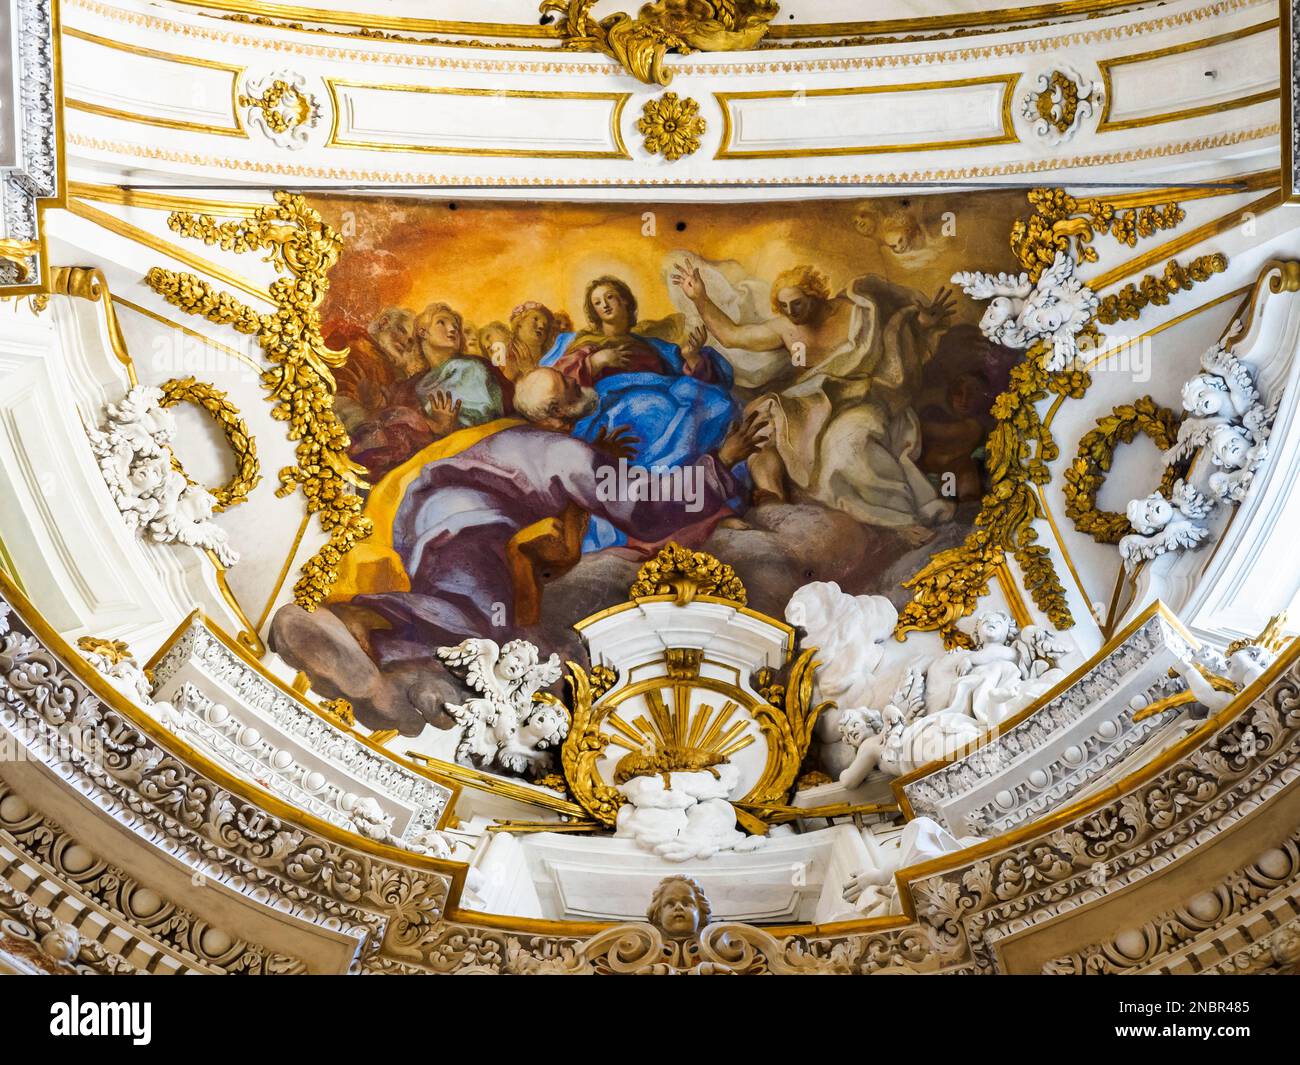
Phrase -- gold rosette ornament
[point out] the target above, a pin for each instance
(672, 126)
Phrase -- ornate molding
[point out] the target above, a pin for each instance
(197, 647)
(1060, 101)
(957, 908)
(1269, 883)
(640, 44)
(165, 936)
(280, 106)
(1290, 100)
(1035, 762)
(1058, 233)
(100, 745)
(36, 176)
(303, 249)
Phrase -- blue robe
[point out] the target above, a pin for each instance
(677, 419)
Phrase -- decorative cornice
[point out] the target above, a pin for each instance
(1268, 885)
(196, 644)
(491, 180)
(34, 51)
(1052, 750)
(109, 750)
(166, 936)
(1004, 46)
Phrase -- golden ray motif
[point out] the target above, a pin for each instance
(683, 738)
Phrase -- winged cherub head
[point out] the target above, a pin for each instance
(1149, 515)
(1205, 395)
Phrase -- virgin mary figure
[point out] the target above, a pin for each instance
(676, 400)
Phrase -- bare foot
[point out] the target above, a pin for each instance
(915, 535)
(734, 523)
(764, 495)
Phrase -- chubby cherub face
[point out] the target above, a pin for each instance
(516, 659)
(1204, 396)
(1229, 448)
(1001, 309)
(1246, 665)
(855, 729)
(678, 913)
(1149, 515)
(545, 725)
(993, 627)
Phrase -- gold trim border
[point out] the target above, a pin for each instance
(226, 33)
(430, 181)
(619, 100)
(1106, 125)
(998, 17)
(1007, 136)
(235, 72)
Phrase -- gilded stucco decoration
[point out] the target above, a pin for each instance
(242, 445)
(672, 126)
(300, 379)
(679, 716)
(18, 253)
(112, 651)
(694, 725)
(281, 107)
(640, 43)
(1059, 103)
(679, 571)
(1021, 446)
(1096, 452)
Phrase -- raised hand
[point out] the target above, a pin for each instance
(687, 278)
(940, 309)
(745, 438)
(618, 443)
(694, 342)
(442, 412)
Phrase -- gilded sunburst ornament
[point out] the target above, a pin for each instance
(672, 126)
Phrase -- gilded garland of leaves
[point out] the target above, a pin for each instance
(679, 571)
(1020, 447)
(303, 249)
(1093, 460)
(247, 469)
